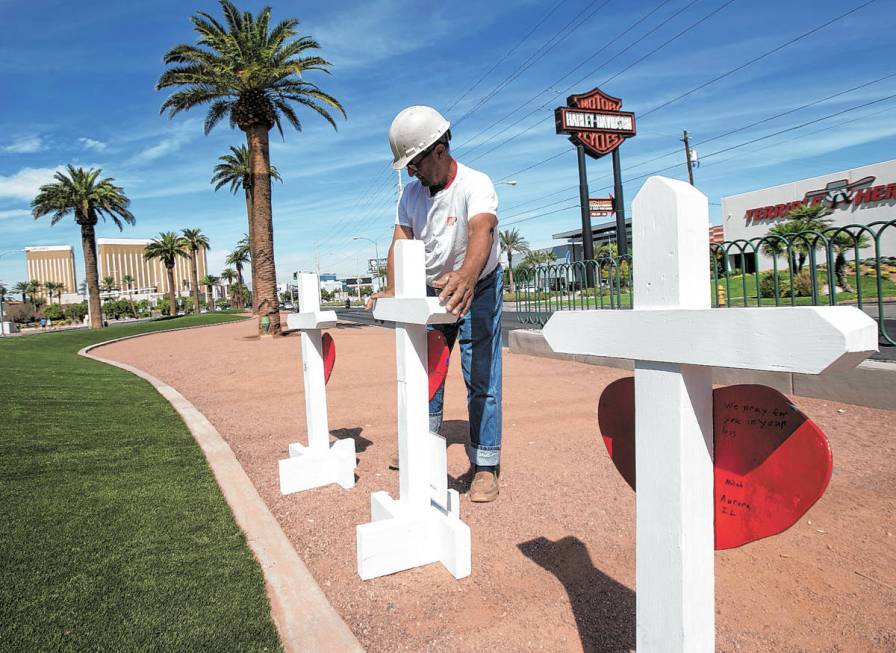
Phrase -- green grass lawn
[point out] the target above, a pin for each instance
(114, 536)
(735, 291)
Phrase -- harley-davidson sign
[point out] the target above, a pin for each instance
(593, 120)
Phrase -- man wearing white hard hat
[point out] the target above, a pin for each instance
(453, 209)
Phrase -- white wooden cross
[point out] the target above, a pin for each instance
(321, 462)
(424, 525)
(674, 336)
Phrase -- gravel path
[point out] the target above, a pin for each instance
(553, 558)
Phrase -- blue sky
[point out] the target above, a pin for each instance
(78, 87)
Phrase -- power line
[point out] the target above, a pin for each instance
(759, 58)
(549, 45)
(506, 55)
(722, 76)
(767, 119)
(629, 67)
(726, 149)
(586, 60)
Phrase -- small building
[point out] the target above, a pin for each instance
(861, 196)
(603, 233)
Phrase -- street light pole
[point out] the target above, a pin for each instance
(376, 249)
(3, 294)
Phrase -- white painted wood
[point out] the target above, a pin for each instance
(309, 292)
(674, 510)
(308, 468)
(421, 310)
(312, 320)
(674, 336)
(315, 389)
(424, 525)
(321, 462)
(809, 339)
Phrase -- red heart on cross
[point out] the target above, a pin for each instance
(437, 360)
(771, 462)
(329, 353)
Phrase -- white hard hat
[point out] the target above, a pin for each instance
(412, 131)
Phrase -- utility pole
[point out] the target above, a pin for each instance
(687, 157)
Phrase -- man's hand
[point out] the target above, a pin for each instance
(457, 291)
(371, 301)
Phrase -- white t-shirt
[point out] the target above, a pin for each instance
(441, 221)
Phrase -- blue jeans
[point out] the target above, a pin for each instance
(480, 358)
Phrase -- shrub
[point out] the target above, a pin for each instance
(20, 313)
(53, 312)
(802, 284)
(76, 312)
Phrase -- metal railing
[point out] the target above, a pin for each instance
(845, 265)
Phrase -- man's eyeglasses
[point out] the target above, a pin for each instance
(417, 160)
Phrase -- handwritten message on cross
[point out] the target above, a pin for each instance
(424, 525)
(674, 336)
(321, 462)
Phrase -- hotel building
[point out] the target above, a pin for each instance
(118, 257)
(52, 263)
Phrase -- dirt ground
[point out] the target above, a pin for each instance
(553, 557)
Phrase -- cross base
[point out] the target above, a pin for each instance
(311, 467)
(402, 536)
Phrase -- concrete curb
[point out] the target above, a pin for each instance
(870, 384)
(304, 618)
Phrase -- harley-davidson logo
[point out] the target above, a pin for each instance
(594, 120)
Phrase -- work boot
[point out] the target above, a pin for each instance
(484, 487)
(393, 463)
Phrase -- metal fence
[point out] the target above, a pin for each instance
(832, 266)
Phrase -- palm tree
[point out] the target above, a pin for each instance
(512, 241)
(229, 275)
(83, 193)
(107, 285)
(128, 281)
(55, 287)
(234, 169)
(253, 74)
(34, 287)
(195, 240)
(209, 281)
(239, 256)
(167, 247)
(21, 287)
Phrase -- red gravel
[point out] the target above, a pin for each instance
(553, 558)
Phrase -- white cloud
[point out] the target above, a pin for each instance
(15, 213)
(176, 136)
(24, 145)
(24, 184)
(92, 144)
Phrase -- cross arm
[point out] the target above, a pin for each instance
(808, 340)
(311, 320)
(412, 310)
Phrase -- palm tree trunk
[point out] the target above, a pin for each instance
(840, 273)
(172, 298)
(252, 248)
(194, 279)
(88, 243)
(264, 285)
(210, 296)
(510, 270)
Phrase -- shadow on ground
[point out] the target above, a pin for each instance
(361, 443)
(457, 431)
(603, 608)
